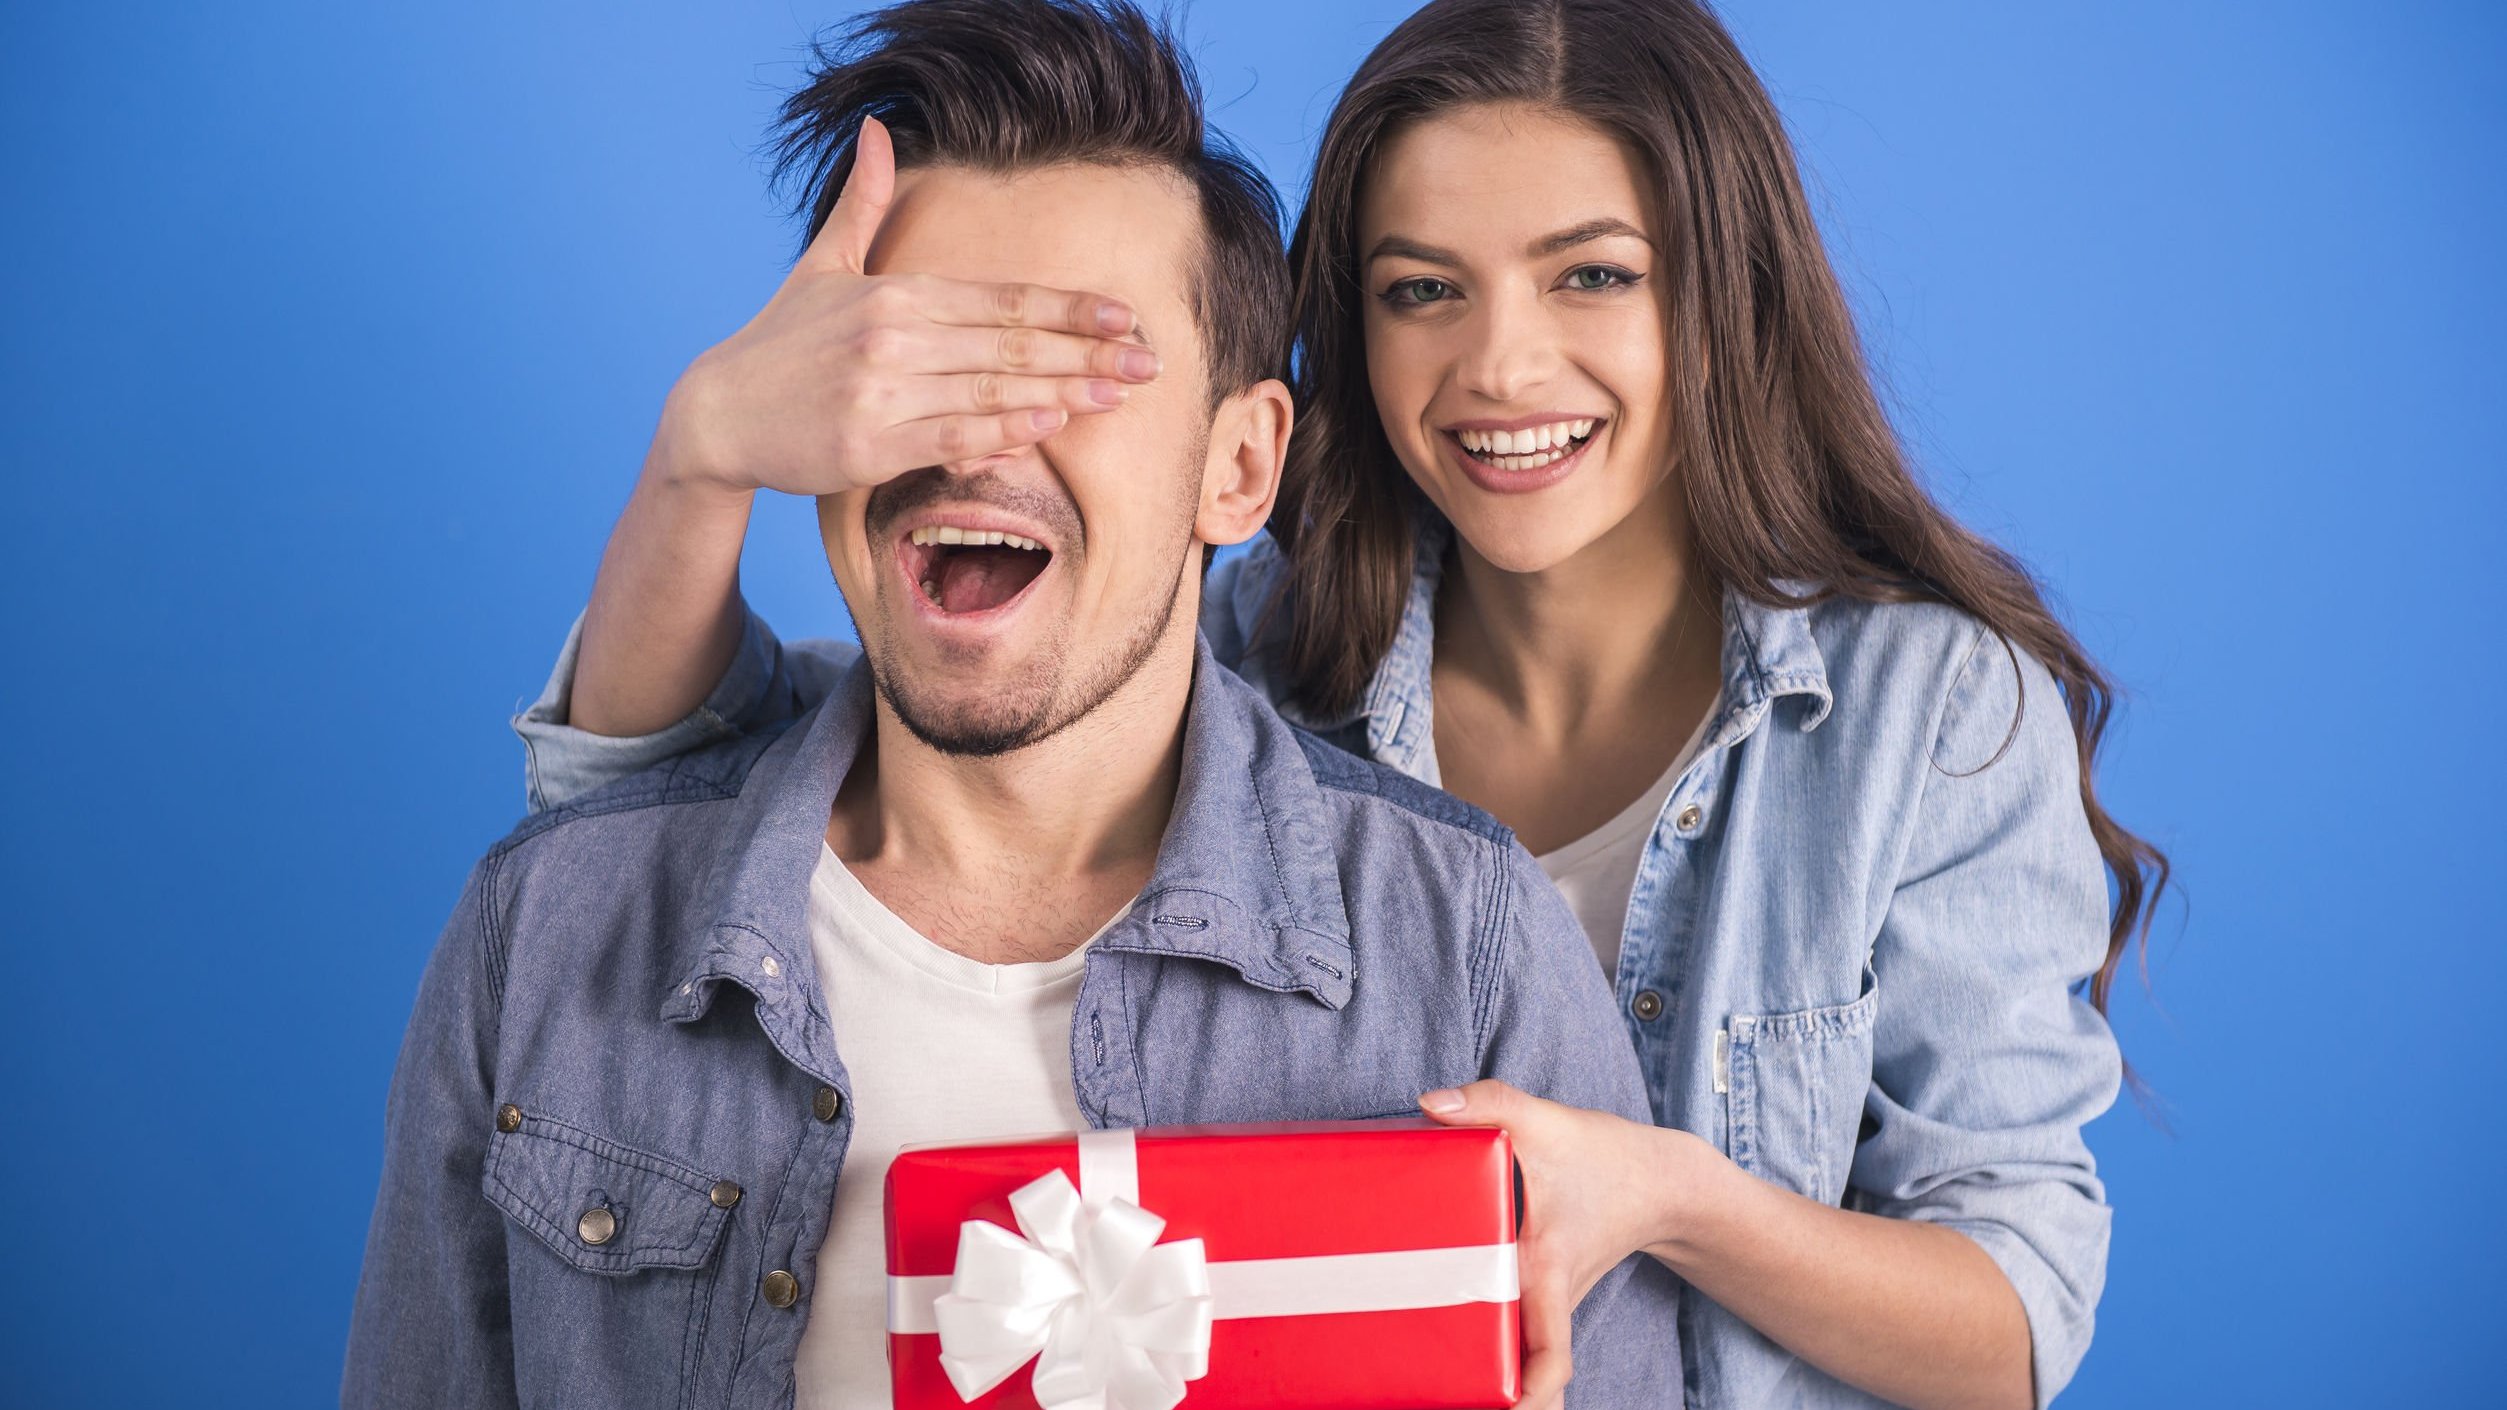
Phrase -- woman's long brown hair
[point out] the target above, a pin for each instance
(1791, 469)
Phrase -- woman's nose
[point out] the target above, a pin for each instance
(1513, 348)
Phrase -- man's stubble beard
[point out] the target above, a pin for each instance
(969, 730)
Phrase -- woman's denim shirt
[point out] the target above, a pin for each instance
(1855, 947)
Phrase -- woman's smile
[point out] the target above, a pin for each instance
(1522, 455)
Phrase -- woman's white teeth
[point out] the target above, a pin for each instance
(1529, 448)
(1527, 441)
(972, 538)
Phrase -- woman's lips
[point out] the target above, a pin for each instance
(1502, 481)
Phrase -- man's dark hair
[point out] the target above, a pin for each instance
(1008, 85)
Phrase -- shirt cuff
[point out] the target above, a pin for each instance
(562, 764)
(2060, 1317)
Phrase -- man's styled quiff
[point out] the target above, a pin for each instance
(1008, 85)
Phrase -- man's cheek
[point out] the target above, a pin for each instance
(849, 550)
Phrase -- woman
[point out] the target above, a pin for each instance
(1592, 517)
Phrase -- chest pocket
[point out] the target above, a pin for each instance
(617, 1317)
(1795, 1085)
(604, 1207)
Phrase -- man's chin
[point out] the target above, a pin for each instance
(972, 722)
(982, 698)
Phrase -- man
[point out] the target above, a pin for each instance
(1037, 862)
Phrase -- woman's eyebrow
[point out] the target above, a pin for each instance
(1585, 233)
(1403, 247)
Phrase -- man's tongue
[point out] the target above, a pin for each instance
(979, 579)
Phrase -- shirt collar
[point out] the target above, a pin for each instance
(1245, 875)
(756, 878)
(1769, 653)
(1394, 710)
(1401, 723)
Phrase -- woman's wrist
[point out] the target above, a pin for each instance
(686, 461)
(1704, 1198)
(696, 501)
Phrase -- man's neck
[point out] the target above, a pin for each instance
(1020, 857)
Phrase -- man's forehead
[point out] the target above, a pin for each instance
(1127, 231)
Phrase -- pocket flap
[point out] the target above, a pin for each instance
(550, 1178)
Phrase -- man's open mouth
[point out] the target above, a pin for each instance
(966, 571)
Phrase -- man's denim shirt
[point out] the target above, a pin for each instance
(624, 1013)
(1853, 948)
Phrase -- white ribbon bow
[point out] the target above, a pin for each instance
(1122, 1321)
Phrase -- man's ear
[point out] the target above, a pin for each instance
(1241, 479)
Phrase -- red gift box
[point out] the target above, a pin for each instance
(1328, 1265)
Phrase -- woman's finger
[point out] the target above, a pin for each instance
(1548, 1310)
(1488, 1102)
(1027, 352)
(843, 243)
(941, 440)
(974, 305)
(989, 393)
(1548, 1347)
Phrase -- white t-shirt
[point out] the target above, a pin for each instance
(1597, 871)
(939, 1048)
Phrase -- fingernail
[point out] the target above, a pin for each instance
(1105, 393)
(1138, 364)
(1114, 318)
(1443, 1103)
(1045, 420)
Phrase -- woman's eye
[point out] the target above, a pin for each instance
(1410, 293)
(1592, 278)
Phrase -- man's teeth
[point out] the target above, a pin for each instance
(1529, 448)
(973, 538)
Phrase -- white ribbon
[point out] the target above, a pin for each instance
(1117, 1320)
(1121, 1320)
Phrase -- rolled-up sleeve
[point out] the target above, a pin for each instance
(1987, 1059)
(767, 686)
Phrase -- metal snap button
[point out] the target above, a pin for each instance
(826, 1104)
(1689, 818)
(597, 1226)
(509, 1118)
(772, 966)
(725, 1194)
(1648, 1005)
(781, 1289)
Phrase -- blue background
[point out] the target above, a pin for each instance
(331, 336)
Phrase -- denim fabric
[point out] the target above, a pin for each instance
(1854, 967)
(1321, 938)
